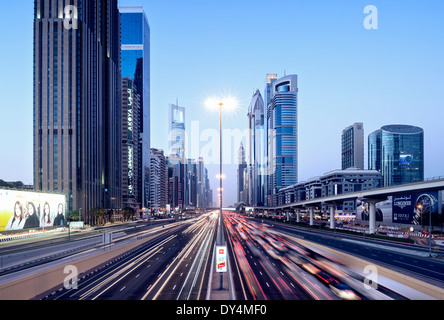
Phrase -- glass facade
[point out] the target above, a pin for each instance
(282, 137)
(397, 151)
(135, 64)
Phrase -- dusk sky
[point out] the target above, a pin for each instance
(347, 73)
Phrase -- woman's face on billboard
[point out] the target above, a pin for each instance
(17, 210)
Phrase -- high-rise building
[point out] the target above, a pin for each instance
(130, 144)
(282, 131)
(270, 79)
(353, 146)
(256, 120)
(158, 181)
(397, 151)
(77, 103)
(176, 134)
(242, 165)
(135, 56)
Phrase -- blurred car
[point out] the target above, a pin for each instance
(343, 291)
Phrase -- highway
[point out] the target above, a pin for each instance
(273, 265)
(173, 266)
(268, 260)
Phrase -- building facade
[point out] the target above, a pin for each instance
(352, 142)
(135, 61)
(282, 127)
(397, 151)
(158, 180)
(77, 103)
(176, 133)
(241, 171)
(330, 184)
(130, 145)
(256, 163)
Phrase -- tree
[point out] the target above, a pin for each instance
(128, 213)
(74, 215)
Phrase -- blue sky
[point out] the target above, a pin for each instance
(394, 74)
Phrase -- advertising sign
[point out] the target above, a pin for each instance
(412, 208)
(221, 259)
(26, 210)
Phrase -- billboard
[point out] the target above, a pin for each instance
(26, 210)
(415, 208)
(221, 259)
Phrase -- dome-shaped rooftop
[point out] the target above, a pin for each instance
(402, 129)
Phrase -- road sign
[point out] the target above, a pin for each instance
(221, 259)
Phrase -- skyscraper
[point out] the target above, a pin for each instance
(77, 102)
(397, 151)
(130, 144)
(282, 125)
(158, 180)
(353, 146)
(135, 52)
(256, 164)
(242, 165)
(270, 79)
(176, 133)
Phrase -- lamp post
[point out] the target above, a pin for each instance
(420, 208)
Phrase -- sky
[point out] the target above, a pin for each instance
(346, 73)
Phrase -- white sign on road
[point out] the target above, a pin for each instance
(221, 259)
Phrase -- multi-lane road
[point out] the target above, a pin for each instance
(173, 266)
(266, 262)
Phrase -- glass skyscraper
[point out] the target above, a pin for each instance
(77, 102)
(256, 119)
(135, 64)
(176, 134)
(282, 127)
(397, 151)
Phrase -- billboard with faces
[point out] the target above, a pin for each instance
(21, 210)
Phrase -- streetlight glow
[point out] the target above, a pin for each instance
(228, 103)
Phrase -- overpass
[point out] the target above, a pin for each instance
(372, 197)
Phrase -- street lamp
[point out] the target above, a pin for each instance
(227, 103)
(420, 208)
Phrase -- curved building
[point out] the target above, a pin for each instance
(256, 121)
(282, 136)
(397, 151)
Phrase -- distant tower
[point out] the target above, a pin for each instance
(353, 146)
(176, 134)
(242, 165)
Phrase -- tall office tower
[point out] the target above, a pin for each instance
(158, 180)
(176, 133)
(397, 151)
(77, 102)
(282, 123)
(130, 144)
(270, 79)
(256, 120)
(176, 191)
(242, 165)
(191, 183)
(208, 191)
(202, 184)
(353, 146)
(135, 52)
